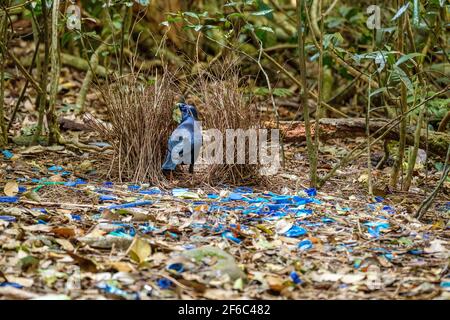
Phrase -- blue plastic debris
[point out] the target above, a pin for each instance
(8, 218)
(133, 187)
(295, 231)
(164, 283)
(305, 245)
(150, 191)
(41, 222)
(107, 198)
(379, 199)
(282, 199)
(375, 227)
(9, 199)
(22, 189)
(415, 251)
(312, 192)
(229, 235)
(243, 190)
(55, 168)
(445, 284)
(109, 289)
(7, 154)
(327, 220)
(236, 196)
(76, 217)
(176, 267)
(11, 284)
(295, 277)
(128, 205)
(108, 184)
(75, 183)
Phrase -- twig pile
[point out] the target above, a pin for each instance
(226, 105)
(140, 118)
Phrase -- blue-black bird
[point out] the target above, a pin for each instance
(185, 141)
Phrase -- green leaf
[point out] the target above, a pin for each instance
(377, 91)
(400, 11)
(416, 13)
(262, 13)
(192, 14)
(407, 57)
(264, 28)
(403, 77)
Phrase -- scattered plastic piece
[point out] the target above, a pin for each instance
(22, 189)
(128, 205)
(295, 231)
(107, 198)
(312, 192)
(229, 235)
(295, 277)
(109, 289)
(151, 191)
(40, 221)
(11, 284)
(164, 283)
(108, 184)
(76, 217)
(8, 218)
(305, 245)
(7, 154)
(55, 168)
(379, 199)
(176, 267)
(9, 199)
(133, 188)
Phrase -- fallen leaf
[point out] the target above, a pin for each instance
(11, 188)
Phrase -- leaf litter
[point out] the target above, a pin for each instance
(66, 236)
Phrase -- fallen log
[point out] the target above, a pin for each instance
(331, 128)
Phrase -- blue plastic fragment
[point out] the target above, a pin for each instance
(235, 196)
(107, 198)
(445, 284)
(282, 199)
(379, 199)
(76, 217)
(295, 277)
(109, 289)
(55, 168)
(389, 209)
(243, 190)
(40, 221)
(108, 184)
(327, 220)
(299, 200)
(164, 283)
(305, 245)
(212, 196)
(75, 183)
(415, 251)
(8, 218)
(295, 231)
(312, 192)
(22, 189)
(229, 235)
(176, 267)
(42, 210)
(65, 173)
(128, 205)
(9, 199)
(11, 284)
(133, 187)
(150, 191)
(124, 233)
(7, 154)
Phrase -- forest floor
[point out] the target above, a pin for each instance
(65, 234)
